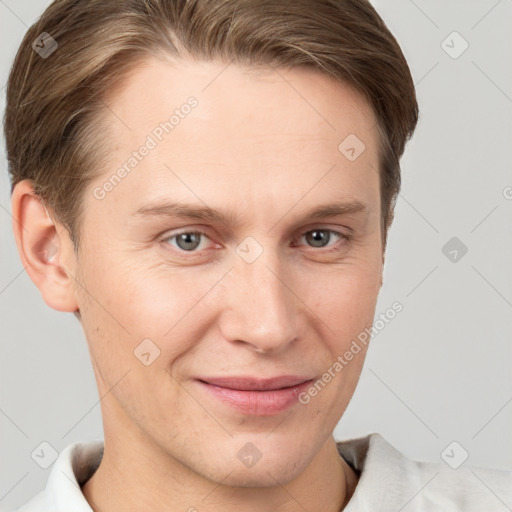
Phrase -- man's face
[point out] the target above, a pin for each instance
(265, 292)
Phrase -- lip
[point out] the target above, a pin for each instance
(254, 396)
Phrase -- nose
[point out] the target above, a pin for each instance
(260, 308)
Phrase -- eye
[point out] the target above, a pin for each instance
(187, 241)
(193, 241)
(321, 237)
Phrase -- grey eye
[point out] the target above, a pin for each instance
(318, 237)
(188, 241)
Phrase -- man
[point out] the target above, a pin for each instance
(208, 186)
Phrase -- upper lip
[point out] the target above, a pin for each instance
(255, 383)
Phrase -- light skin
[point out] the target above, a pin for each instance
(263, 149)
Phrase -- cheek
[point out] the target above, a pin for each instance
(169, 306)
(162, 299)
(344, 298)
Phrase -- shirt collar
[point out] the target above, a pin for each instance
(379, 466)
(74, 466)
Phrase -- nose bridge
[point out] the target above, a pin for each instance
(262, 306)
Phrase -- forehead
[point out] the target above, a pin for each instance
(230, 96)
(249, 127)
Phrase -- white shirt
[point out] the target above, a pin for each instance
(388, 481)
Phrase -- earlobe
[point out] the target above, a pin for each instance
(45, 249)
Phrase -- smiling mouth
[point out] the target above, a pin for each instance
(260, 397)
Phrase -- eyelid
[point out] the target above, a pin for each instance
(344, 238)
(174, 235)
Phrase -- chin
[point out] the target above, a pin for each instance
(250, 467)
(262, 475)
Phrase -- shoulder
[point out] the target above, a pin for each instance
(468, 488)
(390, 480)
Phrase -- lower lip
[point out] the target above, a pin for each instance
(258, 403)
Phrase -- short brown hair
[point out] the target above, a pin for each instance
(54, 104)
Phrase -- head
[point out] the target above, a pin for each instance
(166, 159)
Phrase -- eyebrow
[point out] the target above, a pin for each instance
(191, 211)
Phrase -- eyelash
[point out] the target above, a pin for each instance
(344, 239)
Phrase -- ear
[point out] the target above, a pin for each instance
(45, 249)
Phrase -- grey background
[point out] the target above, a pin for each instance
(440, 371)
